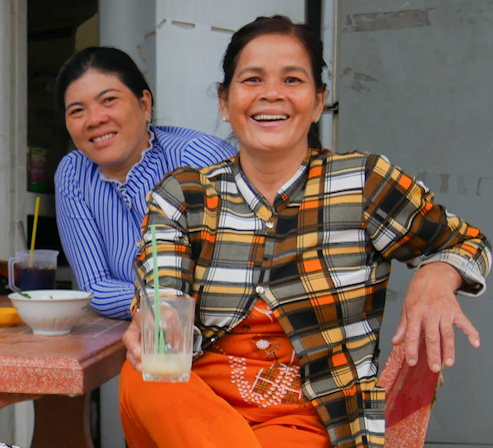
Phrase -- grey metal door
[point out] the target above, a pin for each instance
(414, 82)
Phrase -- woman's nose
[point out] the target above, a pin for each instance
(96, 116)
(272, 91)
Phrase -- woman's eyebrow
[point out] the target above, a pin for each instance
(251, 69)
(288, 68)
(99, 95)
(295, 68)
(75, 103)
(104, 92)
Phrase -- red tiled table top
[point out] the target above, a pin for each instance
(73, 364)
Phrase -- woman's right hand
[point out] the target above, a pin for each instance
(131, 339)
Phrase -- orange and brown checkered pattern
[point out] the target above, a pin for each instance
(321, 260)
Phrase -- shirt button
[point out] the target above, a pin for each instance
(269, 224)
(259, 289)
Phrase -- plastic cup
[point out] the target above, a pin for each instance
(167, 347)
(40, 275)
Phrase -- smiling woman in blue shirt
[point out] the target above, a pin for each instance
(101, 186)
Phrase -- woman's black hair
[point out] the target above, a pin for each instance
(275, 25)
(105, 60)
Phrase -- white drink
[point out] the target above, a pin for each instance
(166, 367)
(171, 321)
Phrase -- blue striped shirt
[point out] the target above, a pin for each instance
(99, 219)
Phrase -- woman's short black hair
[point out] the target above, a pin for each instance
(105, 60)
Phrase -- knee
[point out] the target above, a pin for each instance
(141, 397)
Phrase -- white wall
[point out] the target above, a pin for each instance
(130, 26)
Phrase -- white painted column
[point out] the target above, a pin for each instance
(16, 422)
(129, 26)
(7, 163)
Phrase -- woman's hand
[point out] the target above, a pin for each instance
(131, 339)
(431, 307)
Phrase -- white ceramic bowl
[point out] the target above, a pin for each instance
(51, 312)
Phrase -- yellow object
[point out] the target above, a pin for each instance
(9, 317)
(33, 236)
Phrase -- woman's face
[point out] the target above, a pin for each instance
(272, 99)
(107, 122)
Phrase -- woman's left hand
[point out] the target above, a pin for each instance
(431, 307)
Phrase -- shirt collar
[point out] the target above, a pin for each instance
(131, 174)
(284, 196)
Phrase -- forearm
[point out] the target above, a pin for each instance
(112, 298)
(404, 223)
(85, 251)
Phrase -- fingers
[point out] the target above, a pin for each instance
(400, 332)
(447, 344)
(462, 322)
(135, 361)
(412, 338)
(131, 339)
(439, 336)
(431, 311)
(434, 345)
(440, 344)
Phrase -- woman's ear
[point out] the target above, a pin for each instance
(319, 104)
(223, 104)
(146, 103)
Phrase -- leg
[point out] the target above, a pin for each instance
(292, 431)
(159, 415)
(62, 421)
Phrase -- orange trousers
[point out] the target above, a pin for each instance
(192, 415)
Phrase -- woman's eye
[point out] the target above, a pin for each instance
(75, 111)
(292, 80)
(252, 80)
(109, 99)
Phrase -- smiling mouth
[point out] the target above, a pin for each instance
(103, 138)
(266, 117)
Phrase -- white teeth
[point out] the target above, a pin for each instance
(103, 137)
(265, 117)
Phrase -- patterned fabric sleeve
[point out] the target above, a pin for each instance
(405, 224)
(165, 211)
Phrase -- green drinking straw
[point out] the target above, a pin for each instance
(160, 340)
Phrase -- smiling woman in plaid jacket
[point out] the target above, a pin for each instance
(287, 250)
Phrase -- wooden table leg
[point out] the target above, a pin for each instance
(62, 422)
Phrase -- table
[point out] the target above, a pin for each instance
(58, 373)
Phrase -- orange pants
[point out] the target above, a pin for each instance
(192, 415)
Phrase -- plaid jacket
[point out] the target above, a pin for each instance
(321, 261)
